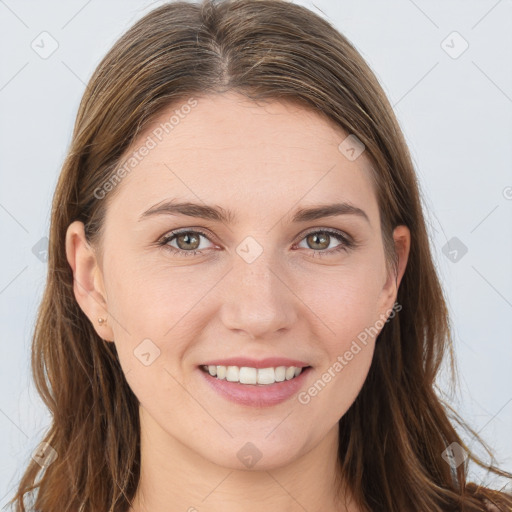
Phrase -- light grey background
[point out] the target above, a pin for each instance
(456, 116)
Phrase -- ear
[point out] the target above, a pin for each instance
(88, 284)
(402, 239)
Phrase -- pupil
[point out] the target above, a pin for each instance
(321, 236)
(188, 238)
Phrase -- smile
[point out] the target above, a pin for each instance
(254, 376)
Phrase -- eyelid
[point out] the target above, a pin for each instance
(334, 231)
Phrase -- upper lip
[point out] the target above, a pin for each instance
(269, 362)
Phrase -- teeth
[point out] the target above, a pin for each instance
(233, 374)
(280, 373)
(247, 375)
(221, 372)
(266, 376)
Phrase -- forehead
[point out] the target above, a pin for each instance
(230, 151)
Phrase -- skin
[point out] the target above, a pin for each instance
(263, 162)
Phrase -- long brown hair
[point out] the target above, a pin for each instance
(394, 437)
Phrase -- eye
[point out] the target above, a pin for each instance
(188, 242)
(320, 241)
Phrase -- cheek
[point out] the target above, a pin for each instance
(158, 312)
(340, 377)
(346, 299)
(347, 303)
(148, 296)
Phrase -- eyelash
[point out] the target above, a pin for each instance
(347, 243)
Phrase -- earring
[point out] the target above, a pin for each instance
(101, 320)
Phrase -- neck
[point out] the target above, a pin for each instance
(174, 478)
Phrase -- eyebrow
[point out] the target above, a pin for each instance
(220, 214)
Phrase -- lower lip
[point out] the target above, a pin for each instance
(256, 395)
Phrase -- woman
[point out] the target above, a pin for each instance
(242, 311)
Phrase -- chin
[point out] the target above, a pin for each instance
(250, 454)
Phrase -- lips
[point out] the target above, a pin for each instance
(265, 385)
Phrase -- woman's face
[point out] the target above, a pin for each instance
(258, 284)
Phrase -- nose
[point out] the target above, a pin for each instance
(258, 301)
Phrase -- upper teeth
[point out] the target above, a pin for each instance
(248, 375)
